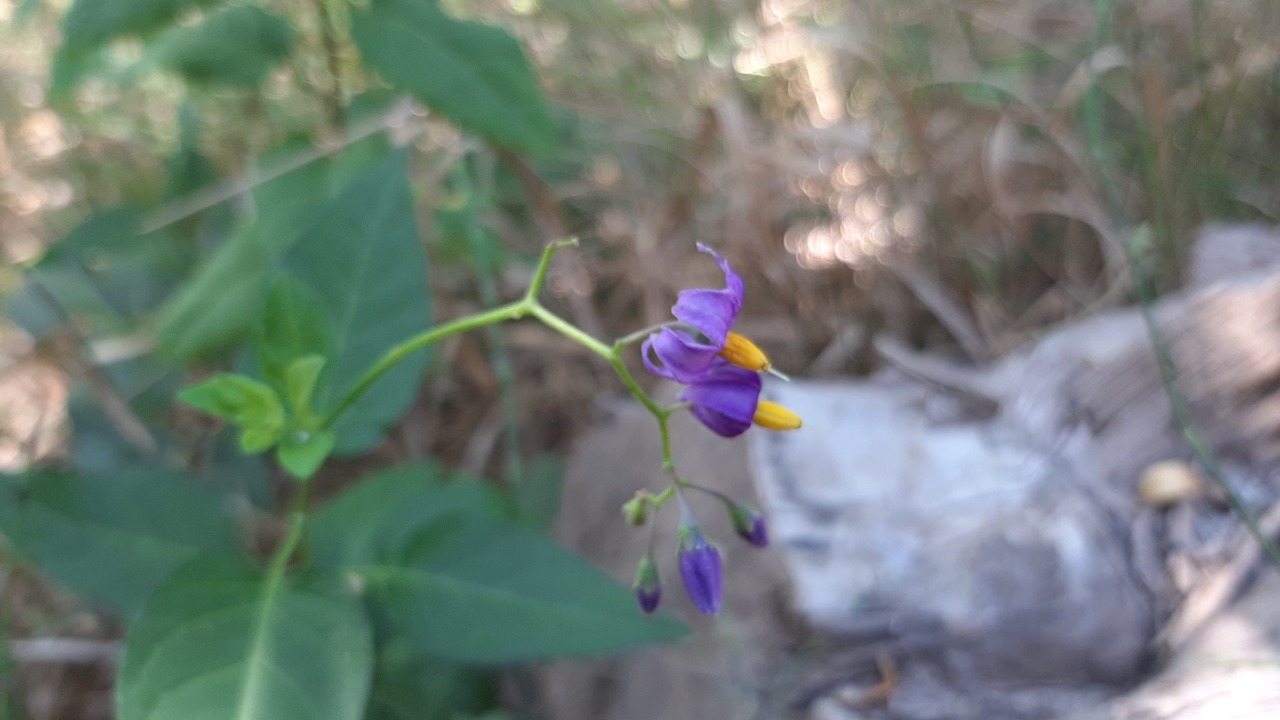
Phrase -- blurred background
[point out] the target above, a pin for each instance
(960, 176)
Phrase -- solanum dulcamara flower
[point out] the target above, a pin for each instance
(720, 367)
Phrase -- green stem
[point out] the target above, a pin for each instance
(540, 274)
(284, 551)
(510, 311)
(564, 327)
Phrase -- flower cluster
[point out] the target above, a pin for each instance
(721, 373)
(720, 368)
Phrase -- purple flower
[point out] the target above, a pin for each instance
(724, 397)
(749, 525)
(648, 585)
(682, 354)
(719, 366)
(701, 570)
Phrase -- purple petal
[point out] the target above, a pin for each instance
(703, 575)
(682, 358)
(732, 282)
(711, 312)
(724, 398)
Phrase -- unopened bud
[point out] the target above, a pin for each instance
(647, 584)
(701, 570)
(636, 510)
(749, 525)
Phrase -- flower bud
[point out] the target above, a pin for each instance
(647, 584)
(740, 351)
(636, 510)
(701, 570)
(749, 525)
(772, 416)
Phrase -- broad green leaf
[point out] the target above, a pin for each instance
(499, 592)
(97, 236)
(114, 536)
(232, 46)
(364, 258)
(293, 326)
(537, 491)
(407, 686)
(248, 404)
(222, 303)
(377, 517)
(218, 641)
(474, 74)
(302, 452)
(92, 22)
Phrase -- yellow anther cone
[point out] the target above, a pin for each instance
(772, 416)
(740, 351)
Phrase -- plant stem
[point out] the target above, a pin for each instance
(510, 311)
(284, 551)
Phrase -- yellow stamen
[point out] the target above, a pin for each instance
(773, 416)
(744, 353)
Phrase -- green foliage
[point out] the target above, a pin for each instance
(363, 256)
(492, 592)
(217, 640)
(473, 74)
(466, 583)
(302, 452)
(537, 491)
(311, 284)
(114, 536)
(233, 46)
(251, 406)
(293, 327)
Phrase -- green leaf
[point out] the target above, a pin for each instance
(302, 452)
(474, 74)
(377, 518)
(407, 686)
(217, 641)
(300, 382)
(233, 46)
(493, 592)
(537, 493)
(97, 236)
(293, 326)
(222, 304)
(364, 258)
(92, 22)
(250, 405)
(114, 536)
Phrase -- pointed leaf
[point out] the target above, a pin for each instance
(218, 641)
(493, 592)
(474, 74)
(293, 326)
(244, 402)
(363, 257)
(233, 46)
(115, 536)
